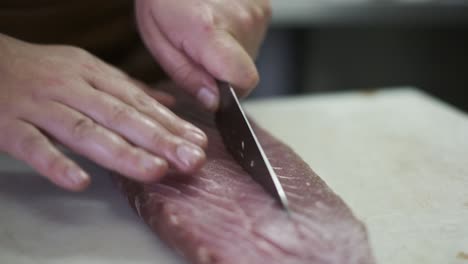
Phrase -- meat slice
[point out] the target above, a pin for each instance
(220, 215)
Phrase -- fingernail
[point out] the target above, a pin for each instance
(190, 156)
(208, 98)
(196, 137)
(77, 177)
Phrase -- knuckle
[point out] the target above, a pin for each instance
(176, 126)
(55, 166)
(30, 149)
(50, 86)
(168, 116)
(38, 95)
(27, 146)
(259, 15)
(83, 61)
(121, 153)
(157, 141)
(120, 114)
(247, 19)
(163, 142)
(183, 74)
(179, 125)
(78, 53)
(169, 120)
(124, 155)
(53, 82)
(266, 11)
(82, 127)
(206, 23)
(90, 67)
(142, 101)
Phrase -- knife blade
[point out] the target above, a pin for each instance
(242, 143)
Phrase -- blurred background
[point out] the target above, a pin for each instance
(336, 45)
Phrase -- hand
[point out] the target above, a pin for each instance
(65, 94)
(198, 41)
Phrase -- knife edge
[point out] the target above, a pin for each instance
(243, 144)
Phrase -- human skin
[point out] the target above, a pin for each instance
(199, 41)
(60, 93)
(53, 94)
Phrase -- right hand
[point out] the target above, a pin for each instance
(65, 94)
(198, 41)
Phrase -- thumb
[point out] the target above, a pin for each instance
(225, 59)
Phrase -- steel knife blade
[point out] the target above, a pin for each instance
(241, 141)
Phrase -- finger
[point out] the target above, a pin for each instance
(101, 68)
(31, 146)
(94, 66)
(257, 21)
(87, 138)
(137, 128)
(133, 97)
(247, 22)
(225, 58)
(213, 45)
(181, 68)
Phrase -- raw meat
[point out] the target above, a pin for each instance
(220, 215)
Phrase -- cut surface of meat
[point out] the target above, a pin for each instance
(221, 215)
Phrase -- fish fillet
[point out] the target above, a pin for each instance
(221, 216)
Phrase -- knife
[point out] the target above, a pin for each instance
(242, 143)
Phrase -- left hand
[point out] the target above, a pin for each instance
(198, 41)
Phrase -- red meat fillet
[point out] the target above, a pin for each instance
(221, 215)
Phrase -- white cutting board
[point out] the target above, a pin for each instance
(398, 158)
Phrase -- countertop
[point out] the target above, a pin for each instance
(398, 158)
